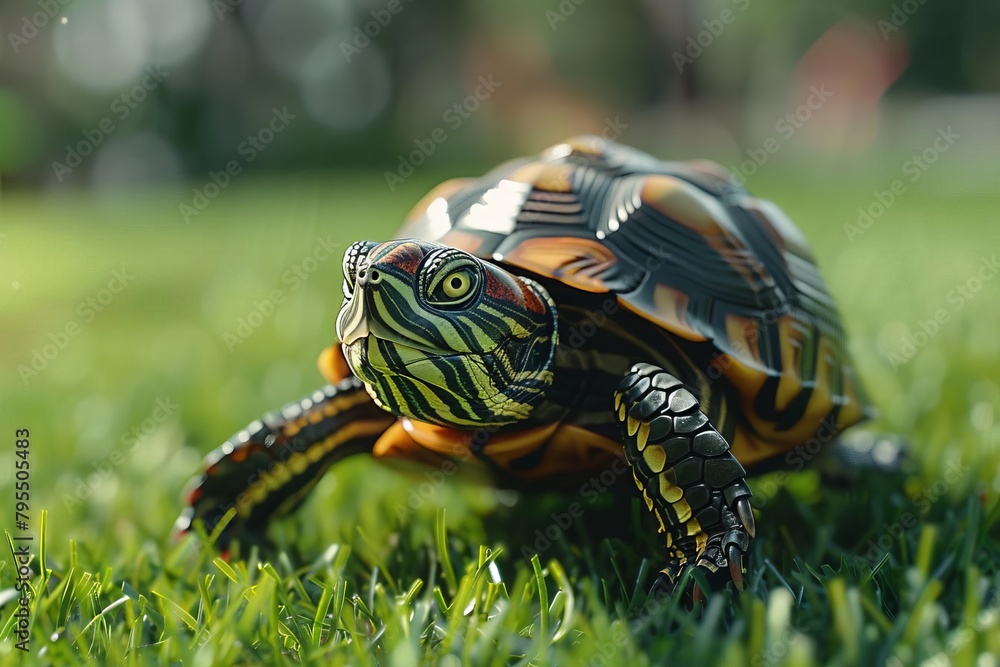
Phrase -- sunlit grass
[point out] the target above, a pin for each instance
(121, 415)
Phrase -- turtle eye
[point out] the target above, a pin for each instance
(455, 287)
(457, 284)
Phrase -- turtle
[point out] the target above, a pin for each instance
(590, 308)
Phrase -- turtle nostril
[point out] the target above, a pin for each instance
(368, 276)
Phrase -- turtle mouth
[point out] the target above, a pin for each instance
(485, 384)
(372, 356)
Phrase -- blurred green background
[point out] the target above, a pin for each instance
(171, 174)
(366, 79)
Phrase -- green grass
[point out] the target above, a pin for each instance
(879, 573)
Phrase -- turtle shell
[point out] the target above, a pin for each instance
(687, 249)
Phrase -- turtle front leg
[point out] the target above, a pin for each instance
(266, 470)
(689, 479)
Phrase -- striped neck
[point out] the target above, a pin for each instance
(528, 363)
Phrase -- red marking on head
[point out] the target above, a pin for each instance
(404, 256)
(499, 290)
(531, 300)
(514, 292)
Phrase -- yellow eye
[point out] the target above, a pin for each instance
(457, 284)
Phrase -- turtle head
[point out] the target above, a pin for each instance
(443, 337)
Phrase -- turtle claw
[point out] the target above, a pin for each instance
(697, 595)
(735, 557)
(745, 514)
(666, 585)
(724, 553)
(662, 585)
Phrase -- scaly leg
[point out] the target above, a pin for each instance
(687, 475)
